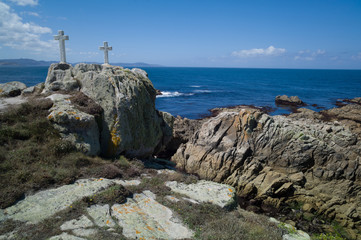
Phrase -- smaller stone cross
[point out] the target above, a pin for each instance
(105, 48)
(61, 38)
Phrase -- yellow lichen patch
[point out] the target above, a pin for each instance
(77, 118)
(72, 113)
(230, 189)
(137, 232)
(50, 117)
(60, 113)
(150, 228)
(115, 139)
(107, 222)
(1, 90)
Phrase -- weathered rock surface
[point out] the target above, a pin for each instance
(143, 217)
(44, 204)
(291, 101)
(77, 127)
(206, 191)
(60, 77)
(130, 124)
(37, 89)
(279, 159)
(11, 89)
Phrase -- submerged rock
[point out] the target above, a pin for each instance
(291, 101)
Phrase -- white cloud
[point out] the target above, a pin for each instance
(308, 55)
(25, 2)
(21, 35)
(270, 51)
(356, 57)
(34, 14)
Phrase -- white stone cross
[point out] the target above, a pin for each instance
(61, 37)
(105, 48)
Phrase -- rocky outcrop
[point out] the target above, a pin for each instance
(78, 127)
(11, 89)
(60, 77)
(205, 191)
(290, 101)
(279, 159)
(129, 123)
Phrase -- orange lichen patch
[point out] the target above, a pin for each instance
(50, 117)
(230, 189)
(1, 90)
(77, 118)
(72, 113)
(115, 139)
(60, 113)
(137, 232)
(150, 228)
(107, 222)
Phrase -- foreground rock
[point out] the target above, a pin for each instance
(42, 205)
(11, 89)
(290, 101)
(205, 191)
(129, 124)
(277, 160)
(142, 217)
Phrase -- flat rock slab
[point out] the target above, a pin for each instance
(142, 217)
(44, 204)
(66, 236)
(101, 215)
(219, 194)
(7, 102)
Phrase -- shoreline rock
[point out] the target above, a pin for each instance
(294, 101)
(277, 160)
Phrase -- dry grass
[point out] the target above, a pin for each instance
(34, 157)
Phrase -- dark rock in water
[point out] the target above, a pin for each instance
(158, 92)
(308, 157)
(11, 89)
(355, 100)
(290, 101)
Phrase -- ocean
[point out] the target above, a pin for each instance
(191, 92)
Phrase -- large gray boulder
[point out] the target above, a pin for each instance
(78, 127)
(279, 159)
(130, 124)
(11, 89)
(291, 101)
(60, 77)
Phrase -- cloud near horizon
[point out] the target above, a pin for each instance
(17, 34)
(25, 2)
(308, 55)
(270, 51)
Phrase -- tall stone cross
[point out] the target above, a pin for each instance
(105, 48)
(61, 38)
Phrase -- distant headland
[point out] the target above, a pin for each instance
(25, 62)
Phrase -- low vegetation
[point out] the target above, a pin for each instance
(34, 157)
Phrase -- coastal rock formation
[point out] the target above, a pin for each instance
(11, 89)
(60, 77)
(279, 159)
(291, 101)
(205, 191)
(78, 127)
(129, 124)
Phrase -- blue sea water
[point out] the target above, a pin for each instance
(191, 92)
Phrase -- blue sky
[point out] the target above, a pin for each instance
(194, 33)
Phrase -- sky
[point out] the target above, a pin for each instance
(323, 34)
